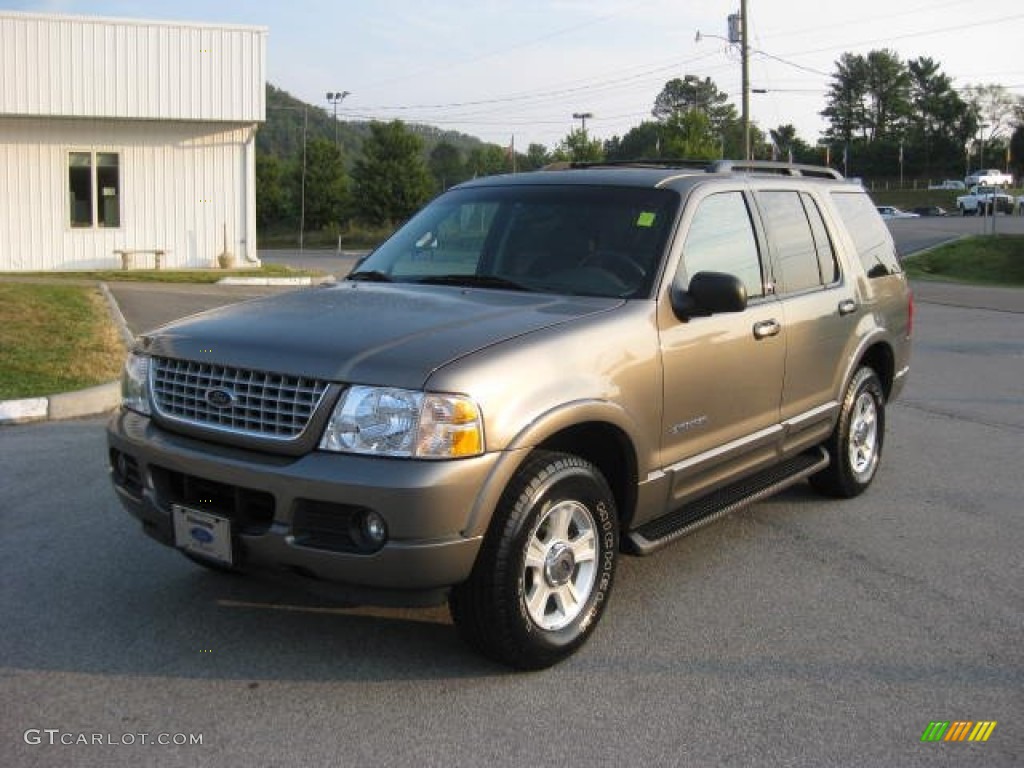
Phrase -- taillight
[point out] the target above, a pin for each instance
(910, 313)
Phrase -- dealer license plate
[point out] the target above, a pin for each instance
(202, 534)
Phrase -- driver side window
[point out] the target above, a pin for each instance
(721, 239)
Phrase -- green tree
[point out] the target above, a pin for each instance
(888, 92)
(689, 136)
(676, 107)
(784, 140)
(640, 142)
(327, 188)
(578, 147)
(446, 165)
(1017, 152)
(689, 94)
(391, 178)
(537, 156)
(845, 102)
(996, 110)
(272, 209)
(941, 123)
(487, 160)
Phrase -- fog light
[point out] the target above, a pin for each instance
(120, 466)
(374, 529)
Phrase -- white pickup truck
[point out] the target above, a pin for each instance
(980, 200)
(989, 177)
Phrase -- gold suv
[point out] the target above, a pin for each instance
(536, 372)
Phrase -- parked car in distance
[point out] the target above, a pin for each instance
(989, 177)
(952, 184)
(892, 212)
(982, 200)
(930, 210)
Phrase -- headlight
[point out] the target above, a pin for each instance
(135, 384)
(385, 421)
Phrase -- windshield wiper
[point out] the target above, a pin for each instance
(474, 281)
(369, 276)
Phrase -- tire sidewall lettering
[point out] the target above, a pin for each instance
(605, 528)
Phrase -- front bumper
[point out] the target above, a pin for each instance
(428, 507)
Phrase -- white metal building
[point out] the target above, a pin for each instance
(120, 136)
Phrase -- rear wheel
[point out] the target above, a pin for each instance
(545, 571)
(856, 443)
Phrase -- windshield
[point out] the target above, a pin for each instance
(579, 240)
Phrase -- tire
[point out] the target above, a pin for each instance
(545, 571)
(856, 443)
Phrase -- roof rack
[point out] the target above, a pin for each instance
(663, 163)
(712, 166)
(773, 166)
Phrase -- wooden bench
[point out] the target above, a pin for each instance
(128, 256)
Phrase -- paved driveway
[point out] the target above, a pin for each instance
(799, 632)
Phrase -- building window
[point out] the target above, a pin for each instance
(94, 189)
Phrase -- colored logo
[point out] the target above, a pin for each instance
(201, 535)
(958, 730)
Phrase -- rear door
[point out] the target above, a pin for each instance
(819, 309)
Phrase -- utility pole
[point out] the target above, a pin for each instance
(738, 34)
(745, 55)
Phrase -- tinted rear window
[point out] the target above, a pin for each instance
(874, 244)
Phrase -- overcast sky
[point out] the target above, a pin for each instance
(502, 69)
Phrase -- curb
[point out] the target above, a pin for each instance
(68, 405)
(262, 281)
(91, 401)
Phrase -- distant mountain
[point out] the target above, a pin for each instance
(281, 135)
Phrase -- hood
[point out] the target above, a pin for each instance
(368, 333)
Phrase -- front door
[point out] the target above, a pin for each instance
(723, 373)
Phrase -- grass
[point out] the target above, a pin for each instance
(915, 198)
(352, 237)
(166, 275)
(55, 338)
(986, 260)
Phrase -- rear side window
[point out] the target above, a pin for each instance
(874, 244)
(826, 253)
(721, 239)
(791, 239)
(800, 241)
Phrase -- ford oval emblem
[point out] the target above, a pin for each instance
(219, 398)
(201, 535)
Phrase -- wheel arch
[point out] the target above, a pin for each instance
(599, 433)
(880, 358)
(609, 449)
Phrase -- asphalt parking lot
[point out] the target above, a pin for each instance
(799, 632)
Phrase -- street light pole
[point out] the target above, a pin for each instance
(336, 98)
(583, 117)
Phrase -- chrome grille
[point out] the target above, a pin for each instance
(256, 403)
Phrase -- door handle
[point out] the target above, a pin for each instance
(847, 307)
(766, 328)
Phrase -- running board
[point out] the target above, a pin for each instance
(696, 514)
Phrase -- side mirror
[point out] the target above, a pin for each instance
(709, 293)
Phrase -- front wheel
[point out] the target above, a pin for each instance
(545, 571)
(856, 443)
